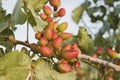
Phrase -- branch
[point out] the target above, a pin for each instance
(99, 61)
(15, 42)
(80, 56)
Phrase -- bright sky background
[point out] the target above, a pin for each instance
(69, 5)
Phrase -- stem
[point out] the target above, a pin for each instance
(27, 32)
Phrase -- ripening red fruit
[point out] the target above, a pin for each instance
(54, 35)
(64, 67)
(55, 25)
(56, 43)
(43, 16)
(75, 47)
(48, 19)
(76, 64)
(48, 34)
(47, 10)
(99, 50)
(111, 53)
(43, 41)
(45, 51)
(50, 25)
(69, 54)
(109, 78)
(94, 55)
(65, 35)
(38, 35)
(61, 12)
(55, 3)
(66, 47)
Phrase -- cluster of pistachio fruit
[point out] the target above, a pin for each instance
(50, 40)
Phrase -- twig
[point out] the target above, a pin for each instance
(15, 42)
(27, 32)
(99, 61)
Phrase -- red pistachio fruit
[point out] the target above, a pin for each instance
(54, 35)
(75, 47)
(69, 54)
(64, 67)
(43, 41)
(66, 47)
(45, 51)
(47, 10)
(94, 55)
(43, 16)
(109, 78)
(48, 34)
(61, 12)
(76, 64)
(50, 25)
(38, 35)
(56, 43)
(65, 35)
(48, 19)
(55, 3)
(99, 50)
(111, 53)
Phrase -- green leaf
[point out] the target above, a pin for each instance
(99, 40)
(103, 10)
(1, 52)
(6, 44)
(95, 1)
(77, 13)
(104, 42)
(14, 66)
(18, 16)
(31, 8)
(117, 10)
(118, 34)
(36, 5)
(71, 40)
(113, 20)
(3, 26)
(2, 16)
(31, 18)
(40, 25)
(1, 5)
(7, 33)
(95, 9)
(90, 11)
(43, 71)
(105, 27)
(84, 41)
(110, 2)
